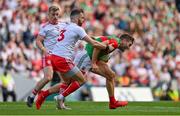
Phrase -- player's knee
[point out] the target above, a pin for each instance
(111, 76)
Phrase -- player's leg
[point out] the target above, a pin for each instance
(83, 62)
(67, 69)
(48, 74)
(106, 72)
(77, 78)
(60, 87)
(77, 81)
(64, 84)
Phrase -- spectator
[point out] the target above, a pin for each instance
(7, 84)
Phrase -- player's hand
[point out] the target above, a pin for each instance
(44, 51)
(94, 67)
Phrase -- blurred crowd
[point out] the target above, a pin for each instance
(153, 61)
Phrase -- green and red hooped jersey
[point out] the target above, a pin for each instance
(103, 55)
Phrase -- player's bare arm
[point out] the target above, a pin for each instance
(94, 43)
(96, 51)
(40, 45)
(94, 59)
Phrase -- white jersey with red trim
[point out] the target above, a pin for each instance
(70, 34)
(50, 33)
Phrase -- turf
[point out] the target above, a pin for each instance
(92, 108)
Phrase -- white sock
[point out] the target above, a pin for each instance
(60, 97)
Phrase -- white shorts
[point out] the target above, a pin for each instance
(82, 60)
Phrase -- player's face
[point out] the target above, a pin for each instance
(125, 45)
(53, 16)
(81, 19)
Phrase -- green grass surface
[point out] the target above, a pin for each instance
(92, 108)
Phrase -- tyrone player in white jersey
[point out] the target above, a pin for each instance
(47, 38)
(63, 53)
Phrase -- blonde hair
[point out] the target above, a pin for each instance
(54, 8)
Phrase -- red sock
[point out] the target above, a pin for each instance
(71, 88)
(46, 93)
(62, 87)
(34, 92)
(112, 99)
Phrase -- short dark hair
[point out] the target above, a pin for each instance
(127, 37)
(76, 11)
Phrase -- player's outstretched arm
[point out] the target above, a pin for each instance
(94, 43)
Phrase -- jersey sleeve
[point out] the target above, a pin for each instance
(81, 32)
(103, 38)
(42, 31)
(113, 42)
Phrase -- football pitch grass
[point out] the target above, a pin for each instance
(92, 108)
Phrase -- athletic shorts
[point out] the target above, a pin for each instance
(83, 61)
(63, 65)
(46, 61)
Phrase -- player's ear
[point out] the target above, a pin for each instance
(48, 13)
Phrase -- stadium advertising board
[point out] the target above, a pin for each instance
(123, 93)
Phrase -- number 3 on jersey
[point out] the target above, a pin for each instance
(61, 35)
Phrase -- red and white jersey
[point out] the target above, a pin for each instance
(50, 33)
(70, 34)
